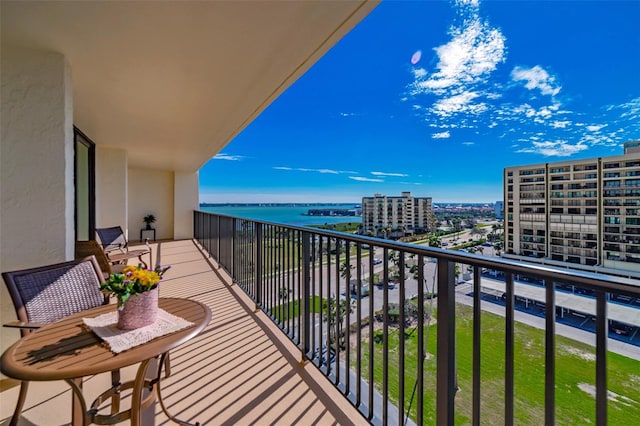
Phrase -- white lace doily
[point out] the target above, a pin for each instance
(121, 340)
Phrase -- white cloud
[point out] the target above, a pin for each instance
(441, 135)
(473, 52)
(536, 78)
(468, 143)
(228, 157)
(365, 179)
(389, 174)
(462, 102)
(554, 149)
(595, 128)
(324, 171)
(419, 73)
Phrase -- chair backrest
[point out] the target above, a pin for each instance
(48, 293)
(111, 238)
(92, 248)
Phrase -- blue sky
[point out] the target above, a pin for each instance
(437, 97)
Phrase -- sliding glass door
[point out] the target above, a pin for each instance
(84, 178)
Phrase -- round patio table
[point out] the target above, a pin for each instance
(68, 350)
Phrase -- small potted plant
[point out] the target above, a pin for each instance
(149, 219)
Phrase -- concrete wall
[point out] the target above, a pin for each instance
(36, 173)
(150, 192)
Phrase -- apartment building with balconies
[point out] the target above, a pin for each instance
(585, 213)
(396, 216)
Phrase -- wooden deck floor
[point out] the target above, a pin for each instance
(240, 371)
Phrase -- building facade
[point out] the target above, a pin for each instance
(581, 213)
(395, 217)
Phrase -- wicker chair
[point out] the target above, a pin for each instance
(48, 293)
(116, 246)
(92, 248)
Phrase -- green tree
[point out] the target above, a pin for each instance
(478, 231)
(435, 240)
(337, 310)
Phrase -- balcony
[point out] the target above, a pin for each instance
(240, 370)
(269, 355)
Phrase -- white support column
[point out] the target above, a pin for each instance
(36, 165)
(187, 199)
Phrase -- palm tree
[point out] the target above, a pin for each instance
(435, 240)
(478, 231)
(330, 313)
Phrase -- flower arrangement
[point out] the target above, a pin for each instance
(132, 280)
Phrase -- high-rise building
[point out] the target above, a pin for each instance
(581, 213)
(395, 217)
(499, 210)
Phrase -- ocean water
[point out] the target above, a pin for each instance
(284, 214)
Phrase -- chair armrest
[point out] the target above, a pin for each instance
(23, 325)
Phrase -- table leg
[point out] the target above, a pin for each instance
(136, 397)
(78, 405)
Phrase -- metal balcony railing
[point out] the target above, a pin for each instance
(346, 300)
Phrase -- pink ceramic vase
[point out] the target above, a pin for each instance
(139, 310)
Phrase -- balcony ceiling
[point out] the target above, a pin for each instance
(174, 82)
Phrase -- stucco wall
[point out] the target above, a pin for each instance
(111, 187)
(36, 172)
(150, 192)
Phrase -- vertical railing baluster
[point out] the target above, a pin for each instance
(337, 319)
(446, 363)
(359, 322)
(401, 304)
(549, 354)
(601, 358)
(258, 264)
(385, 337)
(477, 333)
(509, 350)
(306, 314)
(421, 349)
(371, 335)
(232, 267)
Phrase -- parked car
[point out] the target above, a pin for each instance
(377, 261)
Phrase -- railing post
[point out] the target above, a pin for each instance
(258, 265)
(602, 330)
(446, 349)
(550, 353)
(509, 366)
(305, 296)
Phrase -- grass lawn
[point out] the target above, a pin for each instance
(575, 375)
(291, 309)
